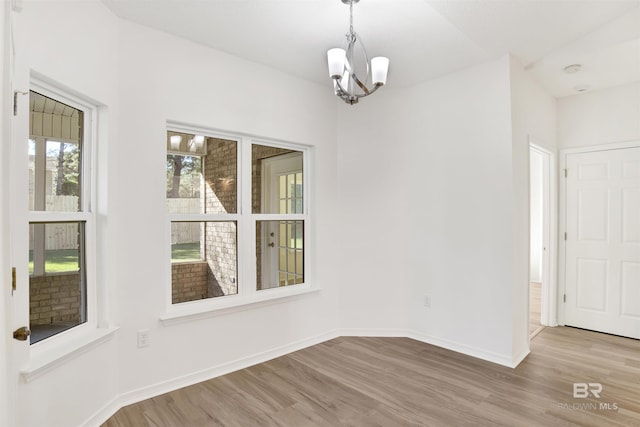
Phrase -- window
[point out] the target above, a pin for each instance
(237, 215)
(59, 216)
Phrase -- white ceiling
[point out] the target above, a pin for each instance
(423, 39)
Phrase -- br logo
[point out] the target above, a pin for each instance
(583, 390)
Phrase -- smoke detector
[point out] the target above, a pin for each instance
(573, 68)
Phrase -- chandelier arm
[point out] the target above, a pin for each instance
(348, 97)
(343, 91)
(369, 92)
(360, 84)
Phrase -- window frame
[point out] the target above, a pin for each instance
(86, 214)
(246, 220)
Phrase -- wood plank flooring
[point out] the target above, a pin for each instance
(356, 381)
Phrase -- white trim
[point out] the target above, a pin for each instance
(245, 219)
(200, 217)
(195, 310)
(500, 359)
(63, 352)
(562, 211)
(143, 393)
(549, 297)
(620, 145)
(364, 332)
(87, 214)
(148, 392)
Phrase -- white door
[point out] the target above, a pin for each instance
(15, 184)
(282, 240)
(602, 269)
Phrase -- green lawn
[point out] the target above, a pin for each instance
(57, 261)
(63, 260)
(185, 252)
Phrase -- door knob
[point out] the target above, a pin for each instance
(271, 245)
(21, 334)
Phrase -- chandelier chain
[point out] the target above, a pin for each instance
(351, 17)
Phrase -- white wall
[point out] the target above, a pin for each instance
(418, 191)
(434, 187)
(374, 201)
(599, 117)
(533, 117)
(73, 44)
(142, 78)
(165, 78)
(457, 130)
(426, 188)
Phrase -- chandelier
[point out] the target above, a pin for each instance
(352, 74)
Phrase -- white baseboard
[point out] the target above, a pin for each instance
(148, 392)
(104, 413)
(357, 332)
(479, 353)
(518, 360)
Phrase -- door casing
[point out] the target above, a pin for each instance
(549, 301)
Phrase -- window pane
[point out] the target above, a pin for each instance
(204, 260)
(276, 180)
(280, 253)
(201, 174)
(221, 176)
(55, 155)
(184, 184)
(57, 281)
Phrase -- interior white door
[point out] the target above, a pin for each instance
(602, 272)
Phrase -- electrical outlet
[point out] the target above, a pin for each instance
(143, 338)
(427, 301)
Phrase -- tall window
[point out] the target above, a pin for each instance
(59, 216)
(229, 235)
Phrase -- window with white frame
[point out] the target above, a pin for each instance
(237, 214)
(60, 217)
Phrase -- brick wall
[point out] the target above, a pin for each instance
(54, 298)
(220, 176)
(221, 196)
(189, 281)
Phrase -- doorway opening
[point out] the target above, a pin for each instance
(543, 217)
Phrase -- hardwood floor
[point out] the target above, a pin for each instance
(355, 381)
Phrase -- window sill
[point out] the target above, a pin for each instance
(45, 361)
(231, 303)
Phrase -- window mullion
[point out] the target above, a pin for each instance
(247, 247)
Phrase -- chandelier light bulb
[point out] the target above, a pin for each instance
(379, 69)
(336, 58)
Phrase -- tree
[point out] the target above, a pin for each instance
(174, 163)
(67, 158)
(183, 176)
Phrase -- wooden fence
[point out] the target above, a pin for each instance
(65, 236)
